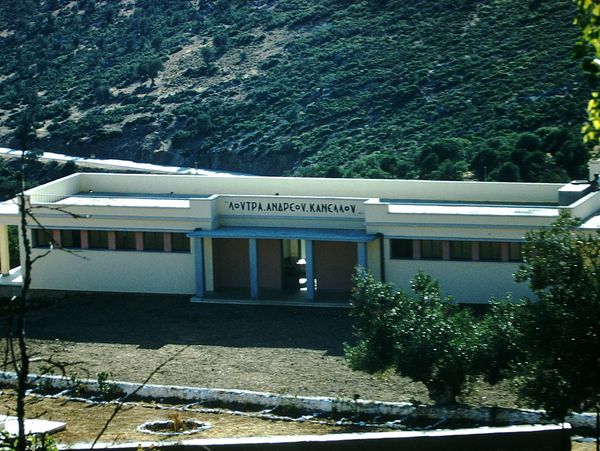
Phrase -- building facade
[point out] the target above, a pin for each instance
(250, 238)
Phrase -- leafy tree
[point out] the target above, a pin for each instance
(437, 159)
(561, 331)
(25, 132)
(553, 138)
(528, 141)
(484, 162)
(102, 93)
(221, 43)
(207, 53)
(155, 65)
(508, 172)
(427, 337)
(572, 156)
(156, 42)
(201, 124)
(588, 48)
(150, 69)
(450, 170)
(9, 182)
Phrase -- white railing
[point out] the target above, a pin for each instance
(37, 199)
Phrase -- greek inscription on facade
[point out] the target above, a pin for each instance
(291, 207)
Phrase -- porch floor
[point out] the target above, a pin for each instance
(277, 297)
(13, 279)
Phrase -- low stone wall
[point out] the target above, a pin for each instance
(314, 403)
(523, 438)
(529, 435)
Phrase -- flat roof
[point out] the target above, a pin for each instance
(124, 201)
(9, 207)
(426, 190)
(473, 209)
(591, 223)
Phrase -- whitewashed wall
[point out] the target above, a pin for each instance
(466, 281)
(118, 271)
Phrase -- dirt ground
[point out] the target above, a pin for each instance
(285, 350)
(86, 421)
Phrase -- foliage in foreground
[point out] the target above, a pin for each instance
(588, 48)
(33, 443)
(551, 345)
(561, 331)
(428, 337)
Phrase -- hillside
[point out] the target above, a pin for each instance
(445, 89)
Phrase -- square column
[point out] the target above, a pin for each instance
(139, 241)
(4, 252)
(167, 242)
(310, 271)
(84, 237)
(111, 238)
(253, 259)
(199, 260)
(362, 254)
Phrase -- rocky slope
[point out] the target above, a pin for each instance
(380, 88)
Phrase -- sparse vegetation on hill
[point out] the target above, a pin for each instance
(441, 89)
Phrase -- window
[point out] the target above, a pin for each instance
(153, 241)
(515, 252)
(489, 250)
(431, 249)
(70, 239)
(180, 242)
(41, 237)
(401, 249)
(461, 250)
(98, 239)
(125, 241)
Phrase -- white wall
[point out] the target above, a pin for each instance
(118, 271)
(52, 191)
(289, 186)
(585, 207)
(594, 167)
(466, 281)
(374, 258)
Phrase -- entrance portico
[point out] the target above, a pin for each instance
(308, 251)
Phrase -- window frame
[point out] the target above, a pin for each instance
(177, 238)
(70, 239)
(401, 249)
(127, 237)
(432, 247)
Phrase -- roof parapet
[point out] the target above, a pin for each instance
(573, 191)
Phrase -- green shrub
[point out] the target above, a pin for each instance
(426, 337)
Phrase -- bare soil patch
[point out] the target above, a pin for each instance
(85, 421)
(287, 350)
(284, 350)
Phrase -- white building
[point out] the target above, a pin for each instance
(249, 238)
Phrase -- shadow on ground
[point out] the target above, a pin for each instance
(152, 321)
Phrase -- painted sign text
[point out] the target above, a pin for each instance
(291, 207)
